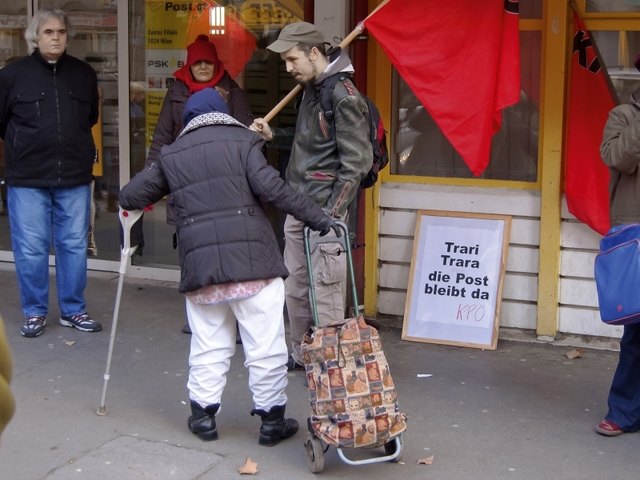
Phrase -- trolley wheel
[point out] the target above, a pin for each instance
(315, 454)
(391, 447)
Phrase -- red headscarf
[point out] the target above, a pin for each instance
(200, 49)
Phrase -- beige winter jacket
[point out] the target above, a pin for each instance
(620, 151)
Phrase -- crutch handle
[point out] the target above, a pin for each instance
(128, 218)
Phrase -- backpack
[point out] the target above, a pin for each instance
(377, 133)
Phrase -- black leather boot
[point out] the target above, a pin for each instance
(202, 421)
(274, 426)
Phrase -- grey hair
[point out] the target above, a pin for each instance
(41, 16)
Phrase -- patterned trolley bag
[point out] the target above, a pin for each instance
(352, 395)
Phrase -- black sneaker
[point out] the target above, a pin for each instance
(33, 326)
(82, 322)
(293, 365)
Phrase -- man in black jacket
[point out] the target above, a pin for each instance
(48, 104)
(231, 265)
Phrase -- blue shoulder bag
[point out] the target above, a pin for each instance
(617, 274)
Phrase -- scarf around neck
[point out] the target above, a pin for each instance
(184, 74)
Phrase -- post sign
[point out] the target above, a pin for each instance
(171, 26)
(455, 283)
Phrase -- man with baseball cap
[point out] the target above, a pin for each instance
(331, 152)
(295, 33)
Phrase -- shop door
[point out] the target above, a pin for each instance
(94, 40)
(13, 21)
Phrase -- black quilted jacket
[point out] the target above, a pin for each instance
(46, 114)
(218, 180)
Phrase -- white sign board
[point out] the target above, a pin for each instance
(455, 284)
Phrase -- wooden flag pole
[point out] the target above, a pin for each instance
(295, 90)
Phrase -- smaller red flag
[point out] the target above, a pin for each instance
(589, 103)
(234, 43)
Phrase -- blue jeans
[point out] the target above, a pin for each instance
(36, 217)
(624, 396)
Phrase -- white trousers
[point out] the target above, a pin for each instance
(213, 343)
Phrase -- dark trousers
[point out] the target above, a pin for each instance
(624, 396)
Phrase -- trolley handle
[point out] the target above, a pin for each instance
(344, 241)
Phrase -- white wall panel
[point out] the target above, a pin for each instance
(394, 222)
(391, 302)
(523, 259)
(525, 231)
(583, 321)
(461, 199)
(520, 287)
(578, 291)
(578, 235)
(395, 249)
(518, 315)
(577, 263)
(394, 276)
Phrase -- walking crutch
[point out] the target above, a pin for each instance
(127, 219)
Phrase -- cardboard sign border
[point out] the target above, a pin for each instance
(417, 242)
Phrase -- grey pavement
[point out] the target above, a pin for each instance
(523, 411)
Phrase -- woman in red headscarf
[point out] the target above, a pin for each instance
(202, 70)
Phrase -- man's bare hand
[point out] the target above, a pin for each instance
(262, 127)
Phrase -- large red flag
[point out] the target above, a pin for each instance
(461, 58)
(590, 100)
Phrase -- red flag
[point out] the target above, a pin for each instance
(234, 43)
(461, 58)
(590, 100)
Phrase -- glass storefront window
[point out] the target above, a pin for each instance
(95, 42)
(421, 149)
(159, 33)
(612, 6)
(13, 21)
(530, 9)
(618, 51)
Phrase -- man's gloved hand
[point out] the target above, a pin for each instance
(328, 223)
